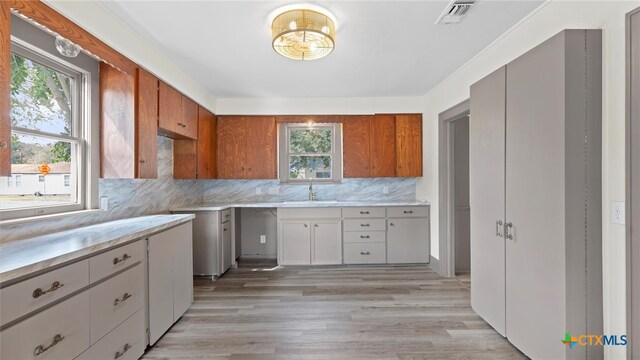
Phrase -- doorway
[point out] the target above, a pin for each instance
(455, 249)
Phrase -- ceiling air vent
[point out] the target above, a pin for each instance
(455, 11)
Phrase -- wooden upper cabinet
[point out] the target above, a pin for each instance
(232, 147)
(207, 145)
(5, 89)
(383, 146)
(117, 123)
(146, 125)
(247, 147)
(409, 145)
(356, 142)
(128, 124)
(262, 153)
(177, 114)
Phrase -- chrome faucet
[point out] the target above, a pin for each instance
(312, 195)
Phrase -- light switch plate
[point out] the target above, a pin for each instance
(263, 239)
(258, 191)
(617, 212)
(104, 203)
(385, 189)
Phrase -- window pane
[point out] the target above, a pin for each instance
(30, 188)
(310, 167)
(41, 98)
(310, 141)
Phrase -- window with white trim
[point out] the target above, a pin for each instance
(51, 116)
(310, 152)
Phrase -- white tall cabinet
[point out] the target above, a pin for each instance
(535, 171)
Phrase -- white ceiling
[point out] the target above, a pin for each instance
(383, 48)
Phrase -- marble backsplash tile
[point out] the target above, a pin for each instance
(136, 197)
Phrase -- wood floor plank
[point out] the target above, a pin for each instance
(260, 312)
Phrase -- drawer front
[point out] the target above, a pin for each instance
(408, 211)
(364, 225)
(225, 215)
(309, 213)
(103, 265)
(126, 342)
(363, 212)
(365, 237)
(24, 297)
(364, 253)
(115, 300)
(68, 319)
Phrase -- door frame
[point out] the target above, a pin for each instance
(445, 264)
(632, 196)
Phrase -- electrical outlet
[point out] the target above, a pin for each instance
(263, 239)
(274, 190)
(385, 189)
(258, 191)
(104, 203)
(617, 212)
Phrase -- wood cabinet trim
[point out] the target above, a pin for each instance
(5, 89)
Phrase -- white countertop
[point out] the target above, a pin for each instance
(25, 257)
(298, 204)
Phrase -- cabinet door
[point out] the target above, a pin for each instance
(189, 127)
(295, 238)
(146, 125)
(185, 154)
(261, 152)
(383, 146)
(486, 198)
(408, 240)
(232, 143)
(169, 109)
(409, 145)
(206, 152)
(117, 123)
(182, 246)
(356, 142)
(327, 242)
(160, 285)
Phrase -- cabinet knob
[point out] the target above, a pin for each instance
(305, 225)
(316, 225)
(143, 161)
(392, 224)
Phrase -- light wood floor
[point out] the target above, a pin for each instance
(260, 312)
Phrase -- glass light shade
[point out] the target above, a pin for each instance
(303, 34)
(66, 47)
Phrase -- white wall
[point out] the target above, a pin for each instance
(319, 106)
(94, 18)
(546, 21)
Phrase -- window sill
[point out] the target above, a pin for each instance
(30, 219)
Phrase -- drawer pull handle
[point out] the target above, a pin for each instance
(365, 253)
(42, 349)
(117, 302)
(364, 236)
(39, 292)
(124, 257)
(364, 213)
(124, 350)
(408, 211)
(365, 225)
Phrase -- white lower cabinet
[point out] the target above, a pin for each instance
(126, 342)
(408, 240)
(309, 236)
(59, 332)
(170, 278)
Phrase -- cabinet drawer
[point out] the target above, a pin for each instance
(128, 340)
(68, 321)
(115, 300)
(103, 265)
(365, 237)
(364, 225)
(225, 215)
(22, 298)
(309, 213)
(364, 253)
(363, 212)
(408, 211)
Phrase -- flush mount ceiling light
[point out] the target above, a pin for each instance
(303, 34)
